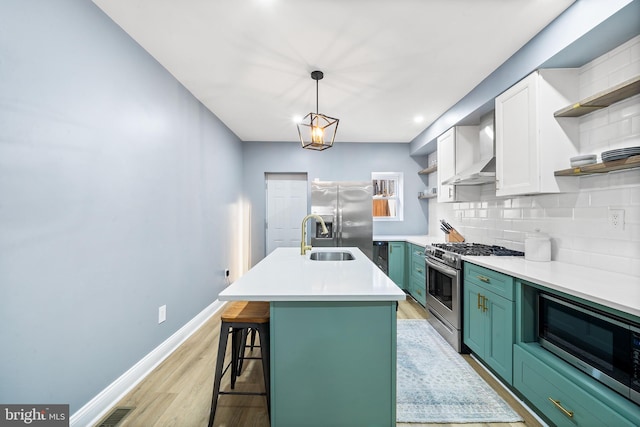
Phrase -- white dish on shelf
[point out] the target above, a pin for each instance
(583, 160)
(577, 163)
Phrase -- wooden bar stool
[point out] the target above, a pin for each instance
(237, 319)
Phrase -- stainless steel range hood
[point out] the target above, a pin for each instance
(479, 173)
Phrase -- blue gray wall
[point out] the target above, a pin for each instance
(343, 162)
(110, 202)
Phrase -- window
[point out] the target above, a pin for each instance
(387, 196)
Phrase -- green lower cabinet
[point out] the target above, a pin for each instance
(489, 325)
(333, 363)
(474, 319)
(500, 336)
(418, 289)
(561, 393)
(417, 274)
(397, 263)
(564, 395)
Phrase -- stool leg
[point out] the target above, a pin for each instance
(253, 338)
(263, 331)
(242, 350)
(222, 347)
(236, 342)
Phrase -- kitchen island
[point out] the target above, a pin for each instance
(333, 337)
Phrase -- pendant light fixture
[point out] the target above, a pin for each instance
(317, 131)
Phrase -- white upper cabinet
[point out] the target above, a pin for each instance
(455, 152)
(446, 165)
(530, 142)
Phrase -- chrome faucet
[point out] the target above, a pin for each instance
(303, 241)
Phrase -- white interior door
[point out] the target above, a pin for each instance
(286, 206)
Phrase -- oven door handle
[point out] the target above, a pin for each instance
(441, 267)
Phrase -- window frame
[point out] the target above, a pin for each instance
(398, 196)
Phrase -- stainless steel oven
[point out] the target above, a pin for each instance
(443, 300)
(445, 282)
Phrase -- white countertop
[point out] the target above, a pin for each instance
(285, 275)
(420, 240)
(614, 290)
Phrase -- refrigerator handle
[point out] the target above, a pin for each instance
(339, 226)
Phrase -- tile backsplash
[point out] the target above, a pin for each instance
(577, 222)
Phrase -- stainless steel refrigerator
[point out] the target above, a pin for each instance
(346, 208)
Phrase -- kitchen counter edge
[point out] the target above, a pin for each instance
(613, 290)
(284, 275)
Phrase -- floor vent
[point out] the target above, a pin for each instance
(116, 416)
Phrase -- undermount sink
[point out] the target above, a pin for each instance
(331, 256)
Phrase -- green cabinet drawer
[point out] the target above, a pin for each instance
(418, 289)
(416, 264)
(418, 269)
(497, 283)
(417, 252)
(583, 402)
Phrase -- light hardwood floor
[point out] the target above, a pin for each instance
(178, 392)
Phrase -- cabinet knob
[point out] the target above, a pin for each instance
(562, 409)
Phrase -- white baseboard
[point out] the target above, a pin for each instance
(96, 408)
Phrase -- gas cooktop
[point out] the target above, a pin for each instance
(476, 249)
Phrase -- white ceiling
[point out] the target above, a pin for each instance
(384, 61)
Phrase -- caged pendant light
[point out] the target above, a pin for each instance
(318, 129)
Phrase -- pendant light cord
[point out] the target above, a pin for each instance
(317, 109)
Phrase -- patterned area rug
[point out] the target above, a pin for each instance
(436, 385)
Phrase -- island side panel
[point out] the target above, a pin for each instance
(333, 363)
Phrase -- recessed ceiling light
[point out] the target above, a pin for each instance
(297, 119)
(418, 119)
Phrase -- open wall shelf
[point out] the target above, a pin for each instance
(602, 99)
(428, 196)
(428, 170)
(604, 167)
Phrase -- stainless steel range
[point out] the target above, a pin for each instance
(444, 284)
